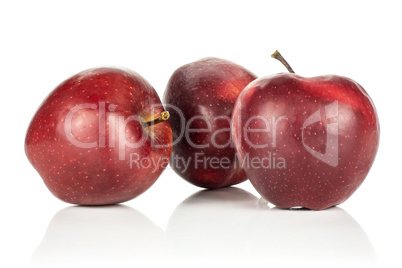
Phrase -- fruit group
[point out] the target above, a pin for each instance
(200, 97)
(100, 137)
(305, 142)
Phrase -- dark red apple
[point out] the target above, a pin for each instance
(100, 137)
(200, 97)
(305, 142)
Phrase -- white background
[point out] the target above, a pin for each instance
(45, 42)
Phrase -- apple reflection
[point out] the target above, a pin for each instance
(232, 224)
(100, 235)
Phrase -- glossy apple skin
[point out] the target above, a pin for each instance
(305, 180)
(202, 93)
(85, 161)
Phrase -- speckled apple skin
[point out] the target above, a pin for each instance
(97, 176)
(209, 88)
(306, 181)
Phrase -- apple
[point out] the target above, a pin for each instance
(305, 142)
(101, 137)
(200, 97)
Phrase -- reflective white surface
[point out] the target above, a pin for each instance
(100, 235)
(227, 224)
(233, 224)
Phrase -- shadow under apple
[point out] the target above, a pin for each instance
(104, 234)
(232, 224)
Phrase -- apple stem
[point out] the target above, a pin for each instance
(279, 57)
(162, 118)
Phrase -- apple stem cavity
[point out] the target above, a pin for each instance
(162, 118)
(279, 57)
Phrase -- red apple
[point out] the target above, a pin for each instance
(200, 97)
(100, 137)
(305, 142)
